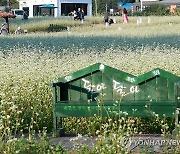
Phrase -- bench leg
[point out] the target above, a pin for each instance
(59, 128)
(54, 125)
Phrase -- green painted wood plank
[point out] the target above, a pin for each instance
(58, 93)
(140, 95)
(171, 94)
(113, 103)
(162, 88)
(112, 111)
(107, 87)
(96, 87)
(150, 90)
(86, 88)
(157, 72)
(129, 90)
(118, 90)
(117, 74)
(75, 90)
(101, 67)
(54, 108)
(177, 94)
(169, 75)
(80, 73)
(148, 75)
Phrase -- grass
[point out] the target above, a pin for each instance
(41, 24)
(29, 62)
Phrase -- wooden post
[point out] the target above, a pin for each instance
(141, 5)
(176, 130)
(54, 114)
(96, 7)
(177, 94)
(7, 22)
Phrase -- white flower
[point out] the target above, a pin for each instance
(17, 151)
(101, 67)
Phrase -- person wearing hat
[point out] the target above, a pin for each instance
(4, 30)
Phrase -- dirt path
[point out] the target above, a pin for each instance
(73, 142)
(144, 143)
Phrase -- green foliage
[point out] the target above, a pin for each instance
(111, 4)
(3, 2)
(177, 12)
(42, 24)
(30, 145)
(156, 9)
(14, 4)
(118, 133)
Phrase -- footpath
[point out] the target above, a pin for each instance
(146, 143)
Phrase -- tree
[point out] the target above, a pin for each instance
(156, 9)
(95, 3)
(14, 4)
(99, 6)
(3, 2)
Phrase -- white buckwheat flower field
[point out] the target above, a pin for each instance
(29, 62)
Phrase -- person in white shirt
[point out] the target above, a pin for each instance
(18, 31)
(4, 30)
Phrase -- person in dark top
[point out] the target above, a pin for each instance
(25, 17)
(110, 21)
(79, 14)
(82, 14)
(106, 17)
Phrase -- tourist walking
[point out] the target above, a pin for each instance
(79, 14)
(106, 18)
(124, 16)
(82, 15)
(25, 17)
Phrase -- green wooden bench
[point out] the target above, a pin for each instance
(100, 90)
